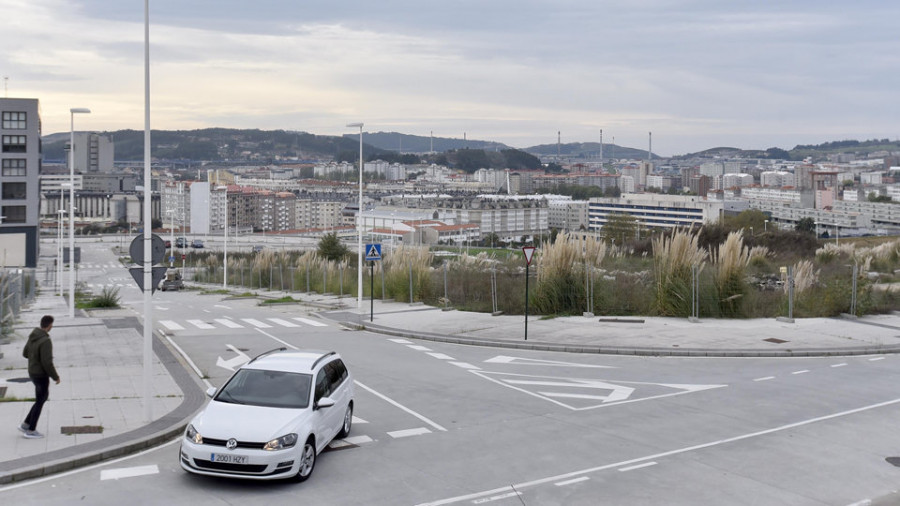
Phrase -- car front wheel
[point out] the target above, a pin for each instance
(307, 461)
(348, 421)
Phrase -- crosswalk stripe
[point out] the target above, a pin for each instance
(314, 323)
(128, 472)
(256, 323)
(200, 324)
(409, 432)
(228, 323)
(169, 324)
(283, 323)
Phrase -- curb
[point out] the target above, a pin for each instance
(621, 350)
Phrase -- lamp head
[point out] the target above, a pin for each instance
(79, 110)
(354, 125)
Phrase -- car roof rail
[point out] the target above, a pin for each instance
(263, 354)
(323, 357)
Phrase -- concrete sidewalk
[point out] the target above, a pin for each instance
(100, 364)
(96, 412)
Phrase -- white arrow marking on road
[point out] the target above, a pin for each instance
(237, 361)
(619, 392)
(503, 359)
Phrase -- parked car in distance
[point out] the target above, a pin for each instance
(197, 243)
(258, 248)
(272, 418)
(168, 243)
(181, 242)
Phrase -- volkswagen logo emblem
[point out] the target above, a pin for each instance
(231, 444)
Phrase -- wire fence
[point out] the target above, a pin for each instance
(17, 288)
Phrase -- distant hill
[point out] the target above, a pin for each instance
(220, 145)
(405, 143)
(817, 152)
(588, 150)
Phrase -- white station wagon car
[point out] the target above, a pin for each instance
(272, 417)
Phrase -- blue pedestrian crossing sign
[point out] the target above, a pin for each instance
(373, 252)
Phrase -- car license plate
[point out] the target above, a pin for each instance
(229, 459)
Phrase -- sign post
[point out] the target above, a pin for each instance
(373, 254)
(529, 254)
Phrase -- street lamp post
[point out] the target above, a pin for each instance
(765, 226)
(72, 112)
(60, 223)
(225, 242)
(171, 213)
(359, 248)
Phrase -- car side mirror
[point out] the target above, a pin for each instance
(210, 392)
(325, 402)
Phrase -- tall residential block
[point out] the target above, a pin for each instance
(20, 158)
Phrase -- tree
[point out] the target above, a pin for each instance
(806, 225)
(330, 248)
(620, 227)
(751, 218)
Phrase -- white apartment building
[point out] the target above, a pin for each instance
(626, 184)
(567, 214)
(873, 178)
(736, 180)
(655, 210)
(53, 183)
(776, 179)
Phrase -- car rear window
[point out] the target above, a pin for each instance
(274, 389)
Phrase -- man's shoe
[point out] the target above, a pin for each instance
(23, 428)
(33, 434)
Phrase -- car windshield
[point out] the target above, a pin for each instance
(274, 389)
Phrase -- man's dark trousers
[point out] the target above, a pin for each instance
(41, 393)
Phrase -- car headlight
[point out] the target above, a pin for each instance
(286, 441)
(192, 435)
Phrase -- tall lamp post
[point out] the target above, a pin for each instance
(171, 213)
(72, 112)
(359, 247)
(60, 223)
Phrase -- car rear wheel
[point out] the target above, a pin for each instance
(348, 421)
(307, 461)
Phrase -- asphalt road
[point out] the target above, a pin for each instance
(447, 424)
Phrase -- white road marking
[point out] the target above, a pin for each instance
(169, 324)
(465, 365)
(496, 497)
(418, 348)
(441, 356)
(553, 479)
(357, 420)
(638, 466)
(408, 432)
(222, 306)
(88, 468)
(256, 323)
(404, 408)
(313, 323)
(839, 365)
(804, 371)
(400, 341)
(876, 358)
(237, 361)
(128, 472)
(283, 323)
(200, 324)
(619, 392)
(570, 482)
(503, 359)
(767, 378)
(291, 346)
(228, 323)
(355, 440)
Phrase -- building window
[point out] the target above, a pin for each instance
(14, 144)
(14, 167)
(14, 191)
(14, 120)
(13, 214)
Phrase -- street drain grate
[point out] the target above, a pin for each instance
(775, 340)
(81, 429)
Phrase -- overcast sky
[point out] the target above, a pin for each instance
(698, 74)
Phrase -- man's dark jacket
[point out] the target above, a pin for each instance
(39, 352)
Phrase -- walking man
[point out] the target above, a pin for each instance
(39, 352)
